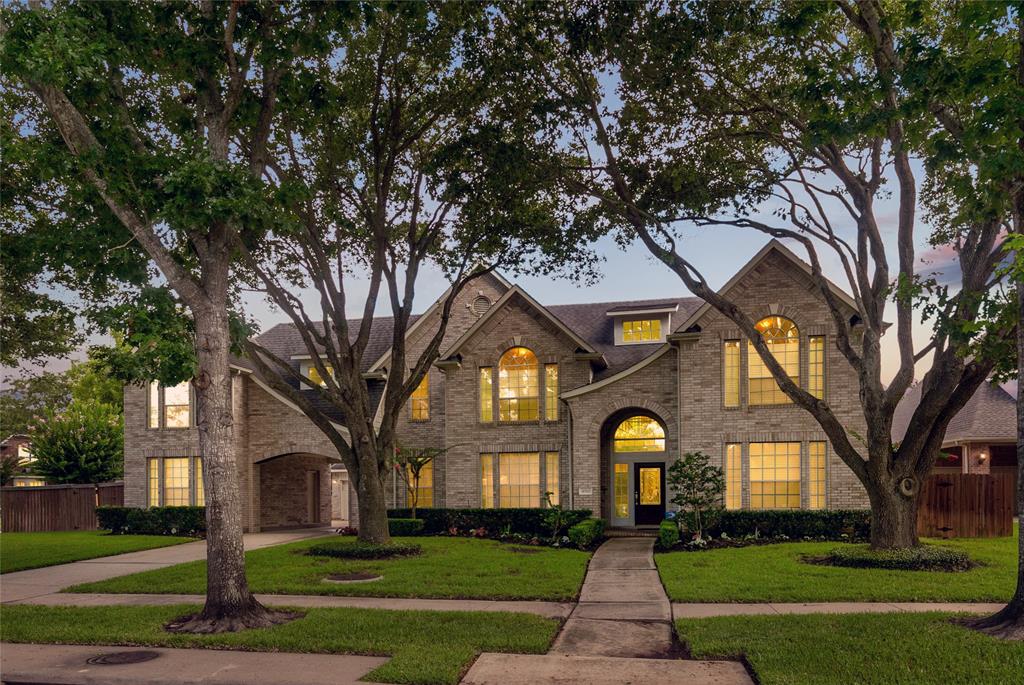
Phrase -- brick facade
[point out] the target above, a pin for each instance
(680, 384)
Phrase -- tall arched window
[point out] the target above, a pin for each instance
(518, 386)
(639, 434)
(783, 339)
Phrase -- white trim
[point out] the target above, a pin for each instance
(634, 312)
(643, 363)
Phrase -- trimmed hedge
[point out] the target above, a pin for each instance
(153, 521)
(405, 527)
(923, 558)
(837, 524)
(494, 522)
(587, 533)
(668, 534)
(343, 549)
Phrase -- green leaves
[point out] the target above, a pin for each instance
(80, 444)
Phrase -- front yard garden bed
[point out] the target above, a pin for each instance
(20, 551)
(777, 573)
(426, 646)
(867, 649)
(447, 568)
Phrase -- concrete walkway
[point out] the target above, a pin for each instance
(620, 632)
(39, 582)
(70, 665)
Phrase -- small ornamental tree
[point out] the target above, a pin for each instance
(697, 489)
(409, 464)
(81, 444)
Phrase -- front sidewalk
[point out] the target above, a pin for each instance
(39, 582)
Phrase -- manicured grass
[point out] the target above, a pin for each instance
(448, 568)
(19, 551)
(866, 649)
(426, 646)
(774, 573)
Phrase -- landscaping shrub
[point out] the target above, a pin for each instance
(493, 522)
(587, 533)
(405, 527)
(835, 524)
(153, 521)
(342, 549)
(668, 534)
(923, 558)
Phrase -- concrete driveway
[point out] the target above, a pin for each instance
(38, 582)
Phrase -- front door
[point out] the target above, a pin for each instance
(649, 493)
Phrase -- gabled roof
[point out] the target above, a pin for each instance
(582, 345)
(777, 247)
(989, 416)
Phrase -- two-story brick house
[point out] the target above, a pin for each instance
(590, 402)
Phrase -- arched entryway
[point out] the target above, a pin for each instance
(295, 491)
(634, 443)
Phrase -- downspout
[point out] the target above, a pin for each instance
(572, 490)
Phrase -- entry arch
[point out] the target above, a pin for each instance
(634, 442)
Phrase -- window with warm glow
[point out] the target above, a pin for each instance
(518, 386)
(154, 405)
(177, 406)
(816, 475)
(176, 483)
(419, 403)
(775, 475)
(641, 331)
(425, 491)
(621, 488)
(153, 476)
(816, 366)
(731, 366)
(518, 480)
(313, 374)
(733, 476)
(551, 476)
(487, 481)
(486, 394)
(783, 340)
(639, 434)
(551, 392)
(200, 493)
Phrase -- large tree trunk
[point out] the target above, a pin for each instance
(1009, 621)
(230, 606)
(893, 515)
(372, 502)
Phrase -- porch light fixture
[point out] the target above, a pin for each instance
(982, 457)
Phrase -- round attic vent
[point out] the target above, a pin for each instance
(480, 305)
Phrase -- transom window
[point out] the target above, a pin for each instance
(646, 330)
(783, 340)
(518, 386)
(170, 407)
(639, 434)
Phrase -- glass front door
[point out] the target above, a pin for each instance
(649, 493)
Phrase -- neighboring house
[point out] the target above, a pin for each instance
(588, 401)
(19, 447)
(981, 438)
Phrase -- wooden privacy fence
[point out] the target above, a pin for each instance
(966, 505)
(55, 507)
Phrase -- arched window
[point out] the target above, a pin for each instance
(783, 339)
(518, 386)
(639, 434)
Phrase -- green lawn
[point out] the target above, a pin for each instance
(426, 646)
(774, 573)
(19, 551)
(448, 568)
(861, 649)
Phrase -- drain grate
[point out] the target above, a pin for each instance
(122, 658)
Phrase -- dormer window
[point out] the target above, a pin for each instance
(642, 323)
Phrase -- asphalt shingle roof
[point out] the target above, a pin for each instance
(991, 414)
